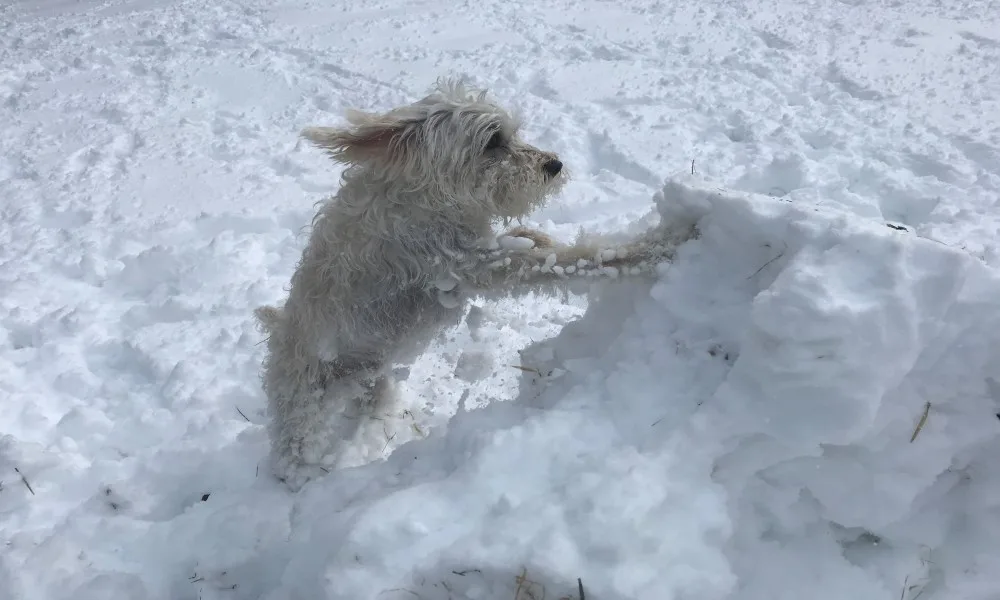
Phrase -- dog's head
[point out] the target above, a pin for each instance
(453, 151)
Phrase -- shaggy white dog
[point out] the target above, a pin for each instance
(391, 255)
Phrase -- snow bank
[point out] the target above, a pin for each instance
(841, 333)
(794, 348)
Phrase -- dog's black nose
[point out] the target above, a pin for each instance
(552, 167)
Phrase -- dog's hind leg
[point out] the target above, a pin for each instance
(314, 425)
(315, 406)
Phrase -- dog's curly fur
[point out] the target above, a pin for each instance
(389, 257)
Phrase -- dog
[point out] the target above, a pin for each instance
(393, 255)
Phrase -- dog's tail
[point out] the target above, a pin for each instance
(324, 137)
(269, 318)
(341, 145)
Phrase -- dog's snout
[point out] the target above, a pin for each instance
(552, 167)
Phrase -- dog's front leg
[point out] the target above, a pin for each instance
(526, 263)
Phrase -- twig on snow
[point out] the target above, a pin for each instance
(414, 426)
(400, 590)
(520, 581)
(524, 585)
(388, 438)
(533, 370)
(765, 265)
(24, 480)
(923, 420)
(242, 415)
(198, 579)
(902, 592)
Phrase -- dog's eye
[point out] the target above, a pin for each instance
(495, 141)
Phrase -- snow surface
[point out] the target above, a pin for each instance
(741, 428)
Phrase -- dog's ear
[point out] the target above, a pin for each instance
(369, 137)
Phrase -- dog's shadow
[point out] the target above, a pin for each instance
(467, 582)
(586, 338)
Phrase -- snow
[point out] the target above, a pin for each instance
(802, 404)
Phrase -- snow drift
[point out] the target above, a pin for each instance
(799, 407)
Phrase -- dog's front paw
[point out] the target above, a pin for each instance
(298, 459)
(296, 474)
(449, 299)
(512, 239)
(293, 471)
(449, 291)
